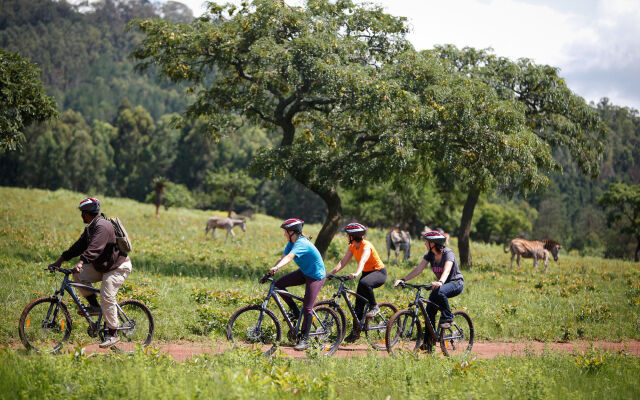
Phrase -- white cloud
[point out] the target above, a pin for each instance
(593, 42)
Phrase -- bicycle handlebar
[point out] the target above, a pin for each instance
(342, 278)
(67, 271)
(404, 284)
(265, 278)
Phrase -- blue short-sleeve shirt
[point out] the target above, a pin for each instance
(307, 257)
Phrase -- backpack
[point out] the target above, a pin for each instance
(122, 238)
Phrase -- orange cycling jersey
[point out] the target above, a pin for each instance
(373, 263)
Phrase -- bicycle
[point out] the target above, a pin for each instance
(45, 324)
(257, 325)
(373, 328)
(404, 330)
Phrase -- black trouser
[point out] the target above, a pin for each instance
(369, 281)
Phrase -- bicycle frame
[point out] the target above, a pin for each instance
(342, 292)
(272, 294)
(419, 302)
(67, 286)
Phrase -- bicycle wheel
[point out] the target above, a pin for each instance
(336, 307)
(326, 333)
(136, 326)
(45, 324)
(404, 332)
(253, 326)
(458, 339)
(375, 328)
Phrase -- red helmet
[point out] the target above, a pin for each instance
(90, 205)
(355, 229)
(435, 237)
(293, 224)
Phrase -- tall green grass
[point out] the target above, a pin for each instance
(243, 375)
(193, 282)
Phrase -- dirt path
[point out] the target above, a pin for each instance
(184, 350)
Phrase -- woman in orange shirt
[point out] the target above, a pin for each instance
(374, 274)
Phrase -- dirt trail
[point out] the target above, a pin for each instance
(184, 350)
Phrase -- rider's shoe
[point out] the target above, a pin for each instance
(92, 310)
(373, 312)
(109, 340)
(445, 324)
(427, 344)
(353, 336)
(303, 344)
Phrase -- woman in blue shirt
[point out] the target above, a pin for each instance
(311, 273)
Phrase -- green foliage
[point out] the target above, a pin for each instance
(83, 56)
(143, 292)
(503, 221)
(243, 374)
(623, 204)
(22, 99)
(230, 187)
(173, 195)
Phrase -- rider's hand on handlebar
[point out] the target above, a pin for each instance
(52, 267)
(352, 276)
(398, 282)
(273, 271)
(78, 268)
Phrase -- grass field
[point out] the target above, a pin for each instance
(193, 283)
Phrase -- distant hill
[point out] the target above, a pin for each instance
(84, 55)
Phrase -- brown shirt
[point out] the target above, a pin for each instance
(97, 246)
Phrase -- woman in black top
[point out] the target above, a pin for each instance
(450, 282)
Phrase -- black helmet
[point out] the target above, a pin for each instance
(90, 205)
(435, 237)
(355, 229)
(293, 224)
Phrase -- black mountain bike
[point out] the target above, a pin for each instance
(404, 331)
(45, 324)
(373, 328)
(257, 325)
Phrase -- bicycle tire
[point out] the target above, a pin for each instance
(404, 332)
(138, 323)
(375, 328)
(326, 335)
(338, 309)
(243, 329)
(457, 340)
(49, 337)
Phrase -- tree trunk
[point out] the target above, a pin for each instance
(158, 200)
(637, 255)
(332, 222)
(465, 226)
(231, 204)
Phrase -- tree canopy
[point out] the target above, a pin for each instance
(622, 203)
(22, 99)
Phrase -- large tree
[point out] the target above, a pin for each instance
(287, 68)
(22, 99)
(622, 203)
(553, 114)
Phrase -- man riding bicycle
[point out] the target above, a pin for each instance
(100, 261)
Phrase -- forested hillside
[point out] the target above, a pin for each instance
(116, 133)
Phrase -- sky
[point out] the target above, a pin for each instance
(594, 43)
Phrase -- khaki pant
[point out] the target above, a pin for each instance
(111, 282)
